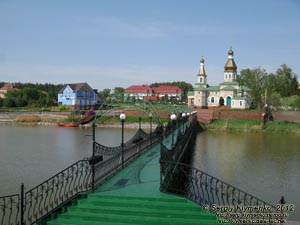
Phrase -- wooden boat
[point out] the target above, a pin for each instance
(67, 124)
(90, 116)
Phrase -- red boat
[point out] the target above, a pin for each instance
(90, 116)
(67, 124)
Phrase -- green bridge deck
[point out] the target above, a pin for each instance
(132, 196)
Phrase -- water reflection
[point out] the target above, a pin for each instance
(265, 165)
(33, 154)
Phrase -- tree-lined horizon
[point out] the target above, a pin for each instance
(272, 88)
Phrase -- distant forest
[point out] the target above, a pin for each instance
(28, 94)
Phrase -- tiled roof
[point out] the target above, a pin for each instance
(167, 89)
(138, 89)
(147, 88)
(7, 86)
(77, 86)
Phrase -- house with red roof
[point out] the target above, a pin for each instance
(5, 88)
(148, 93)
(169, 92)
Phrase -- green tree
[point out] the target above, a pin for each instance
(119, 93)
(255, 80)
(9, 102)
(274, 99)
(287, 83)
(105, 93)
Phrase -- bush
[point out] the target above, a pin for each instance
(64, 108)
(28, 118)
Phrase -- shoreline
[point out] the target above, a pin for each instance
(128, 125)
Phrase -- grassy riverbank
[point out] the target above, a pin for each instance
(251, 125)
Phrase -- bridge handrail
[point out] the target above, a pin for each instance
(203, 188)
(140, 135)
(46, 198)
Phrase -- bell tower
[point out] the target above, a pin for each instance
(230, 68)
(201, 76)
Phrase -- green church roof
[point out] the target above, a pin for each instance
(228, 88)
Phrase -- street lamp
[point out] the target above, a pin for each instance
(140, 121)
(173, 117)
(150, 118)
(183, 120)
(122, 118)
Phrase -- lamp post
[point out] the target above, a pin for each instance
(93, 157)
(150, 118)
(173, 117)
(183, 120)
(140, 121)
(122, 118)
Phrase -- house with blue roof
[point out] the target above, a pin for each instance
(78, 96)
(233, 94)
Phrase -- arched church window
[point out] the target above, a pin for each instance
(200, 79)
(212, 99)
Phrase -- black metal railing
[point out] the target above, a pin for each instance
(44, 199)
(183, 180)
(49, 197)
(204, 189)
(138, 144)
(186, 131)
(10, 209)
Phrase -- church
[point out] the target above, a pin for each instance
(228, 93)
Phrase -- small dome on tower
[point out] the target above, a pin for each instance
(230, 52)
(202, 60)
(230, 64)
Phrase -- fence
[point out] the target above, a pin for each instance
(49, 197)
(183, 180)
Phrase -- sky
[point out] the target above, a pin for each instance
(118, 43)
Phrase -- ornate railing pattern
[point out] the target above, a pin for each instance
(132, 149)
(204, 189)
(45, 199)
(10, 209)
(183, 180)
(140, 135)
(186, 130)
(57, 190)
(42, 200)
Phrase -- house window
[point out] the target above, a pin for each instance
(241, 103)
(68, 95)
(199, 92)
(229, 76)
(199, 99)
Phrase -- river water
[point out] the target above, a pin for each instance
(264, 165)
(33, 154)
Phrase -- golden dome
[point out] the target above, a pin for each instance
(230, 52)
